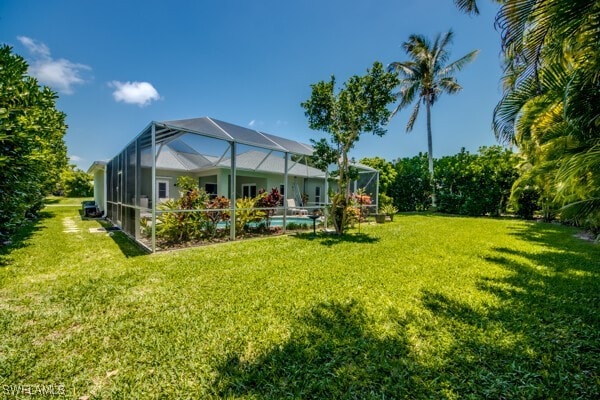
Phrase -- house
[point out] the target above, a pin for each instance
(228, 160)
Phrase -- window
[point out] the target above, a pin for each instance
(318, 194)
(163, 189)
(249, 190)
(211, 189)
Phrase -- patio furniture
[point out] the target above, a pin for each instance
(295, 210)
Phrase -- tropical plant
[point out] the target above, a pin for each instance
(551, 103)
(359, 203)
(245, 213)
(425, 78)
(183, 219)
(32, 148)
(216, 213)
(388, 209)
(359, 106)
(269, 201)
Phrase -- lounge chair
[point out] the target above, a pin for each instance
(295, 210)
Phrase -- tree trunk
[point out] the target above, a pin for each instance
(430, 154)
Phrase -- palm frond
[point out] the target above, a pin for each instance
(507, 111)
(439, 51)
(450, 85)
(468, 6)
(413, 117)
(459, 64)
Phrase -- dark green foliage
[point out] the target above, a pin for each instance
(32, 149)
(293, 226)
(527, 202)
(411, 188)
(468, 184)
(472, 184)
(456, 183)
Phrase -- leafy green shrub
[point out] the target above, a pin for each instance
(245, 213)
(384, 200)
(32, 147)
(186, 224)
(75, 183)
(411, 189)
(294, 226)
(476, 184)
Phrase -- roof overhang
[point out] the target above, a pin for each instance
(96, 166)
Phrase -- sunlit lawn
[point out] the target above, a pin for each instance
(424, 307)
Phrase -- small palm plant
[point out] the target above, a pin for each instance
(390, 210)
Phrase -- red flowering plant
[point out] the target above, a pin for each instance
(216, 213)
(358, 202)
(269, 201)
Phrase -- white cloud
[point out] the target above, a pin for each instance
(75, 158)
(252, 123)
(140, 93)
(59, 74)
(35, 48)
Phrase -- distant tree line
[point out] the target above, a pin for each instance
(486, 183)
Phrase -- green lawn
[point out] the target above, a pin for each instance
(424, 307)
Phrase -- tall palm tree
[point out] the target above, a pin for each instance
(426, 76)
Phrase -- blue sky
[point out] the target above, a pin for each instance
(117, 65)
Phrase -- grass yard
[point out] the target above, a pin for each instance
(424, 307)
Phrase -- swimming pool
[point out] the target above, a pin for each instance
(278, 221)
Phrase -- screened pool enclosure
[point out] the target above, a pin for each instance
(146, 186)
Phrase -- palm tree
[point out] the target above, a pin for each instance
(427, 77)
(551, 105)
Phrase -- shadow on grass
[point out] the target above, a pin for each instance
(332, 239)
(128, 246)
(21, 237)
(330, 354)
(540, 338)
